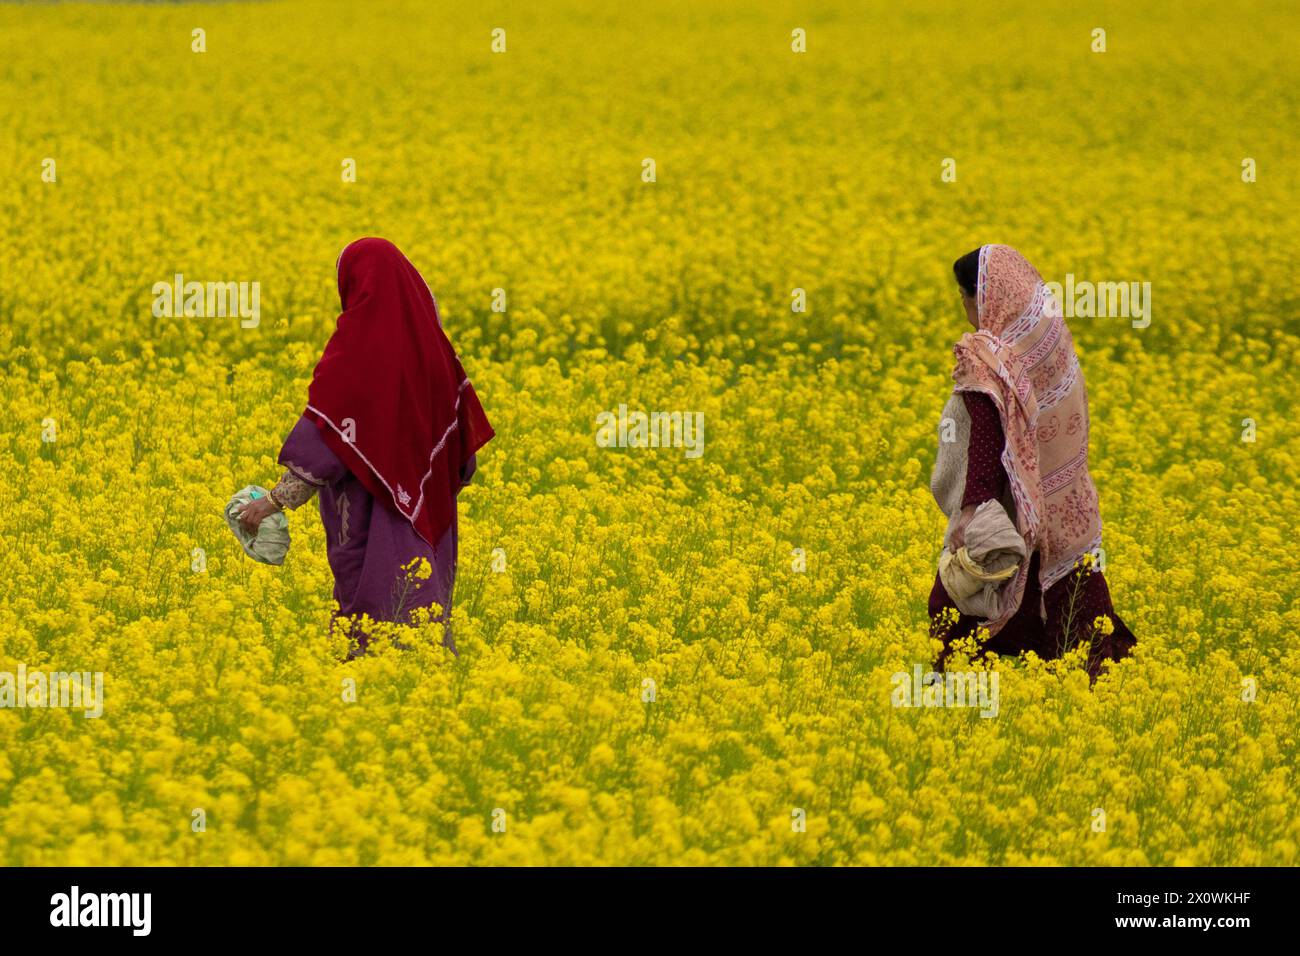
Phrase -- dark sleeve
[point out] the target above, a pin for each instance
(467, 470)
(985, 476)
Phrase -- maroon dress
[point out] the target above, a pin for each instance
(368, 545)
(1072, 604)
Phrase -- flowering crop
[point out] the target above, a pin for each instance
(664, 658)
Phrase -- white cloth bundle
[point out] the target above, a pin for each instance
(974, 573)
(271, 543)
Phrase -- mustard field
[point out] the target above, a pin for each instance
(665, 658)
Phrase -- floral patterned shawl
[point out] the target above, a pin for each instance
(1023, 359)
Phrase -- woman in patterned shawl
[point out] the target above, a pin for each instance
(1021, 411)
(386, 442)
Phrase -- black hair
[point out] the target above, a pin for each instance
(967, 271)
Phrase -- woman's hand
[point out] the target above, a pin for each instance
(957, 540)
(255, 511)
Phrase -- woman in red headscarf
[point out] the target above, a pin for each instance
(388, 439)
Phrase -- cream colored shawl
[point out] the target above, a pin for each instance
(1023, 359)
(975, 573)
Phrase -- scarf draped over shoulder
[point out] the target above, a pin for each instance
(389, 394)
(1023, 358)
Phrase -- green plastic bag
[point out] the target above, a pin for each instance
(271, 543)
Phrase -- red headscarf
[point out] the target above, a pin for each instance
(389, 394)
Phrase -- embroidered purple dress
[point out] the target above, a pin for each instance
(1072, 604)
(367, 544)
